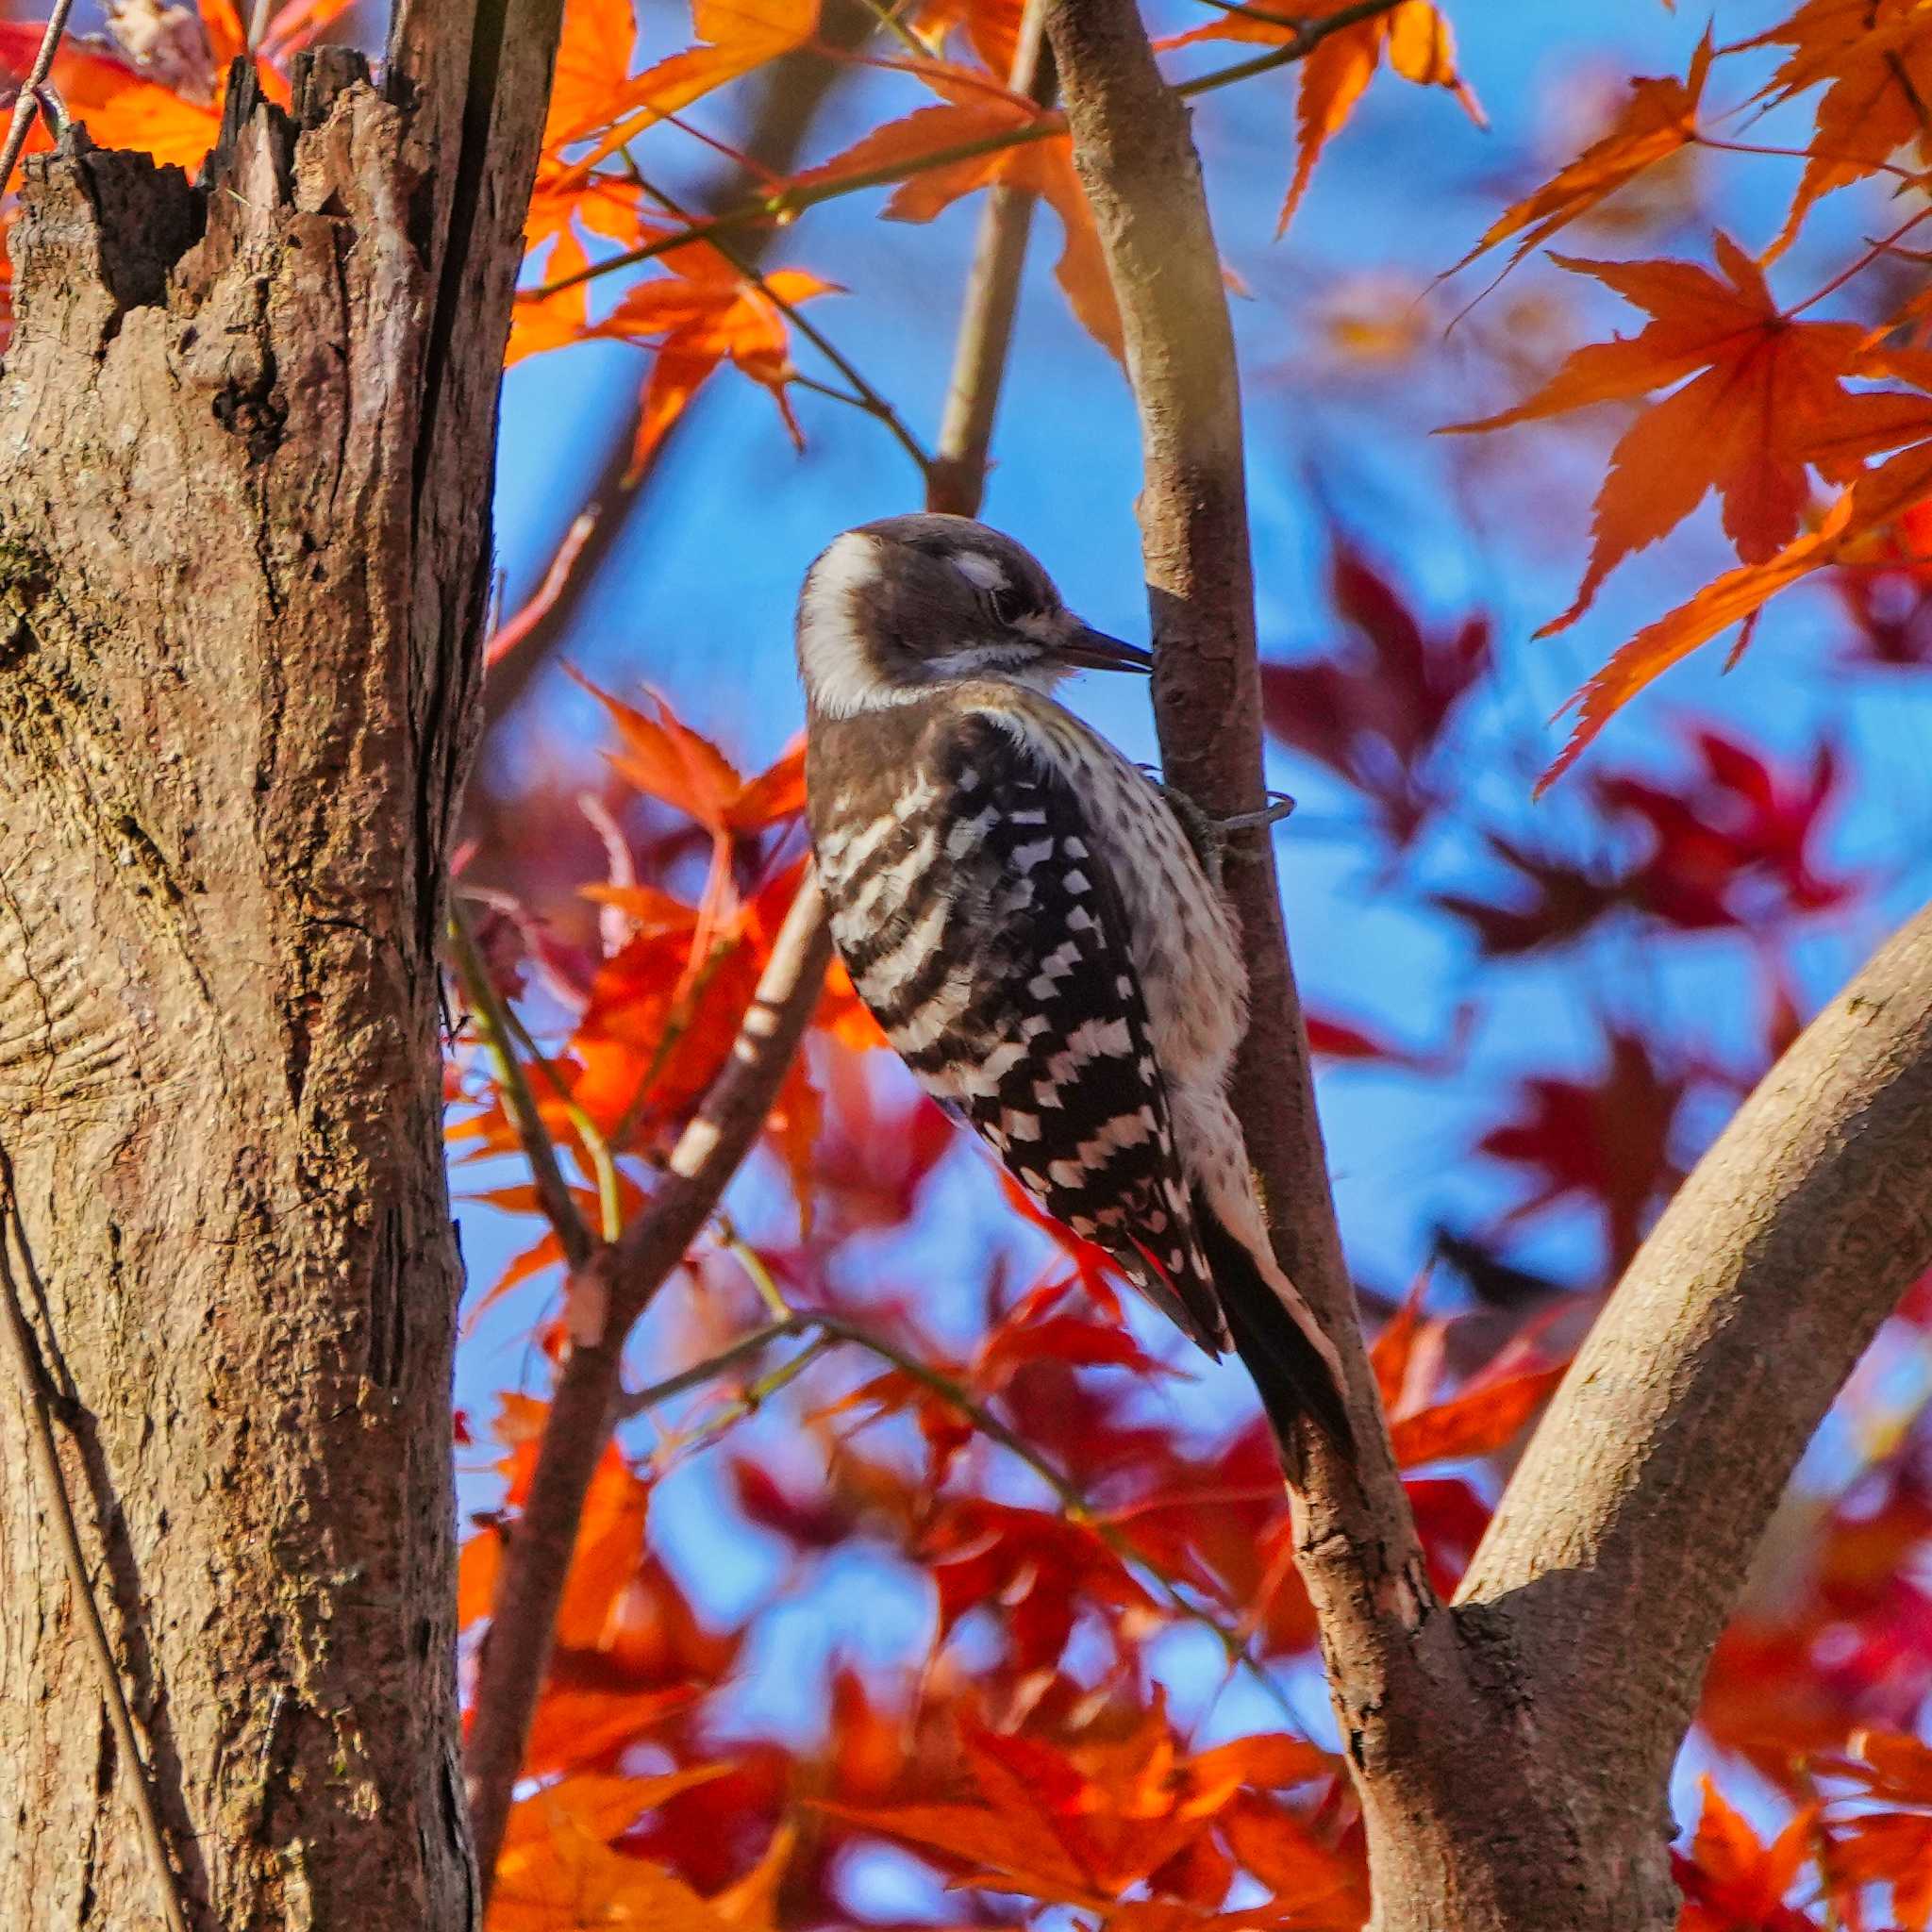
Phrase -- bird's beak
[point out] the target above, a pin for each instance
(1093, 650)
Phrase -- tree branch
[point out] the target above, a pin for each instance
(26, 102)
(552, 1191)
(794, 88)
(1393, 1663)
(957, 477)
(625, 1275)
(1621, 1544)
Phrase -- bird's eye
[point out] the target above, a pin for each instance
(1006, 604)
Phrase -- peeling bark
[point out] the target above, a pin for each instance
(246, 441)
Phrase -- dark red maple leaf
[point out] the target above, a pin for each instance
(817, 1521)
(876, 1146)
(1602, 1142)
(1731, 843)
(1373, 711)
(1734, 843)
(1037, 1570)
(1553, 902)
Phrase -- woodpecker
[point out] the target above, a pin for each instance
(1029, 919)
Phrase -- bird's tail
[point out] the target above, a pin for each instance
(1295, 1375)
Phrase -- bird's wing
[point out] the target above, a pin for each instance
(1004, 981)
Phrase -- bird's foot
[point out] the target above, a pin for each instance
(1278, 807)
(1208, 835)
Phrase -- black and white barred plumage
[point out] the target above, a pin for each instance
(1023, 911)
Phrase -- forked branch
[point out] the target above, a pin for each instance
(1620, 1546)
(623, 1277)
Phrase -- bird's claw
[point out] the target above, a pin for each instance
(1278, 807)
(1208, 835)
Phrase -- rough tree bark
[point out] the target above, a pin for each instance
(246, 437)
(1510, 1752)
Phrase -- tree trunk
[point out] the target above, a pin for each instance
(246, 436)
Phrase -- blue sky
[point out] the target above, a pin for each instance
(697, 598)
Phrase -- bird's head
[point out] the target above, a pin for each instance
(895, 607)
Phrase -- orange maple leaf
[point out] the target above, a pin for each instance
(734, 36)
(1894, 1846)
(1414, 38)
(1082, 1827)
(1731, 1880)
(667, 759)
(978, 112)
(1874, 59)
(1476, 1422)
(557, 1873)
(1480, 1418)
(1766, 403)
(705, 312)
(1875, 501)
(1321, 1887)
(1659, 119)
(124, 108)
(593, 56)
(991, 28)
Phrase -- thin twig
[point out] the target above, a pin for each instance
(871, 400)
(833, 392)
(508, 636)
(1872, 252)
(887, 17)
(596, 1148)
(794, 88)
(753, 1263)
(25, 103)
(795, 201)
(32, 1375)
(957, 481)
(754, 1397)
(515, 1656)
(746, 1348)
(1071, 1499)
(553, 1193)
(1356, 1535)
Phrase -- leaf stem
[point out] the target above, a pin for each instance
(744, 1349)
(1863, 262)
(596, 1148)
(957, 481)
(889, 18)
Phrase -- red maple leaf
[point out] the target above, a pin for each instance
(1375, 710)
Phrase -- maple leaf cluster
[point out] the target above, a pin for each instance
(1044, 1486)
